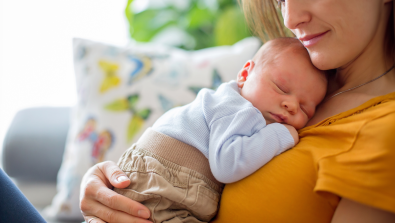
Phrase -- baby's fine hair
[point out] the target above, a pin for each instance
(275, 47)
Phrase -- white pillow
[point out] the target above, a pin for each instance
(122, 91)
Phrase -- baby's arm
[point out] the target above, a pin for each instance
(241, 143)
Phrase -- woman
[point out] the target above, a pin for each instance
(343, 169)
(14, 206)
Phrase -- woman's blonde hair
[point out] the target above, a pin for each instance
(264, 19)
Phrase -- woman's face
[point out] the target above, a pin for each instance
(335, 32)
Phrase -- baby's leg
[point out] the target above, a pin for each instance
(171, 192)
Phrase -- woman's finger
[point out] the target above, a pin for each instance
(93, 219)
(119, 202)
(109, 215)
(114, 174)
(95, 189)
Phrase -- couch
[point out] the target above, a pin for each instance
(33, 150)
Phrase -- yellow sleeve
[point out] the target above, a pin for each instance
(365, 172)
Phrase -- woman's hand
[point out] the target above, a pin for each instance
(97, 199)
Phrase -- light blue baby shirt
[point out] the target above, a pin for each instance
(228, 130)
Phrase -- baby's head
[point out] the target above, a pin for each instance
(282, 82)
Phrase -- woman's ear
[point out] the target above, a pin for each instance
(243, 74)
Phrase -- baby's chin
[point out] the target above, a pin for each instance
(268, 120)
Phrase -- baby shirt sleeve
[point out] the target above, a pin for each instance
(240, 141)
(365, 173)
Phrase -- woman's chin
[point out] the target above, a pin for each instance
(323, 62)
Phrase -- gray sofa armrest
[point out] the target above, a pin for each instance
(34, 144)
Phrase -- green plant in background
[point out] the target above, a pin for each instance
(195, 24)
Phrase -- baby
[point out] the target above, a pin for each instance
(178, 166)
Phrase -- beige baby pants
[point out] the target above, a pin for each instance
(171, 178)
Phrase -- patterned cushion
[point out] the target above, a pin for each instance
(122, 91)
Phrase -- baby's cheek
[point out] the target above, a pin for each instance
(305, 120)
(301, 121)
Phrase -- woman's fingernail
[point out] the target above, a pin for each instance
(122, 179)
(143, 214)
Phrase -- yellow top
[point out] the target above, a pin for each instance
(349, 155)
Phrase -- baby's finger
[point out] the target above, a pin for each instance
(119, 202)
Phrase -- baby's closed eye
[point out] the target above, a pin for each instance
(281, 88)
(309, 112)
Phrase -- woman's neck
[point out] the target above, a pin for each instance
(366, 67)
(371, 63)
(356, 73)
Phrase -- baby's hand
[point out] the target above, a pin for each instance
(293, 132)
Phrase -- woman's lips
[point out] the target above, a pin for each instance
(310, 40)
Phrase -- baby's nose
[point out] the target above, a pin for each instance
(290, 107)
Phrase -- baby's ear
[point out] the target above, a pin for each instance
(244, 73)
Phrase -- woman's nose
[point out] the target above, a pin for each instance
(295, 13)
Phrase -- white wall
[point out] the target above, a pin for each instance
(36, 49)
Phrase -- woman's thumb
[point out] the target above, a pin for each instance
(115, 175)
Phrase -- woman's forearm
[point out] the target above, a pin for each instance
(349, 211)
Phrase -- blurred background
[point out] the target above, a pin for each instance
(36, 67)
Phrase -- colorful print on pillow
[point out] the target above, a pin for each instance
(122, 91)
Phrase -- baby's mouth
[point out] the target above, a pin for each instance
(278, 118)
